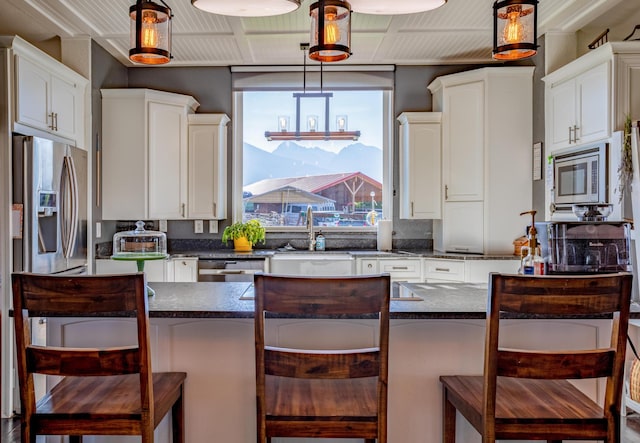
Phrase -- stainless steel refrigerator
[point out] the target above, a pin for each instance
(50, 195)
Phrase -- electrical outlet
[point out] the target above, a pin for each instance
(198, 226)
(163, 225)
(213, 226)
(98, 229)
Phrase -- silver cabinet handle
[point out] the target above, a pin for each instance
(570, 138)
(400, 268)
(183, 205)
(443, 270)
(411, 209)
(575, 133)
(52, 126)
(446, 192)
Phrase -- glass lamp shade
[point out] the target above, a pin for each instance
(386, 7)
(515, 29)
(330, 30)
(150, 36)
(247, 8)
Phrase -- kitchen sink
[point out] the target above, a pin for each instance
(312, 263)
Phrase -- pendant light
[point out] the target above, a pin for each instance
(150, 36)
(330, 30)
(247, 8)
(515, 29)
(393, 7)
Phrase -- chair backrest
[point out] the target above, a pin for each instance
(573, 296)
(37, 295)
(317, 297)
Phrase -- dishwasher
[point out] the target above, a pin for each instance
(228, 270)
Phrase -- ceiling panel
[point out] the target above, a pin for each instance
(458, 32)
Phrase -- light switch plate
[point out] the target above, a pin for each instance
(163, 225)
(98, 229)
(198, 226)
(213, 226)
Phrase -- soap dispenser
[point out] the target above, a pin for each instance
(532, 263)
(320, 245)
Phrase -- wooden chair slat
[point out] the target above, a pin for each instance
(90, 362)
(322, 365)
(554, 365)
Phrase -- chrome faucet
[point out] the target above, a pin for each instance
(312, 239)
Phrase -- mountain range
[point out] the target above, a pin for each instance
(290, 159)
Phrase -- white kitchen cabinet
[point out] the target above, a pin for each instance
(589, 98)
(438, 269)
(486, 158)
(156, 270)
(420, 169)
(400, 269)
(207, 184)
(145, 154)
(48, 95)
(578, 108)
(182, 269)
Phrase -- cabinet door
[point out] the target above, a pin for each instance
(402, 269)
(64, 107)
(154, 269)
(463, 124)
(420, 177)
(593, 104)
(32, 94)
(167, 161)
(184, 269)
(207, 168)
(463, 227)
(562, 113)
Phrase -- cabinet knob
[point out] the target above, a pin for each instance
(369, 266)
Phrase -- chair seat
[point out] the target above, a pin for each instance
(321, 400)
(550, 403)
(106, 398)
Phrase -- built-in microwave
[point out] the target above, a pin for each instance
(580, 176)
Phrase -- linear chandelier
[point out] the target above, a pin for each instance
(313, 131)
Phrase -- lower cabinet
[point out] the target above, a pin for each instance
(178, 269)
(444, 270)
(408, 270)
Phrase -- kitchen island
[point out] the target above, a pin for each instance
(206, 330)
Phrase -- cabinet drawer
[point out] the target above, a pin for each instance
(400, 269)
(452, 270)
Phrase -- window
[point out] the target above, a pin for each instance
(347, 183)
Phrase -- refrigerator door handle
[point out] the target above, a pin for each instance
(69, 206)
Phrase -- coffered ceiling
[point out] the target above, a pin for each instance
(458, 32)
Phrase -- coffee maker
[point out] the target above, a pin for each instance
(585, 247)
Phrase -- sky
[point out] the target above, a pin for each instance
(363, 110)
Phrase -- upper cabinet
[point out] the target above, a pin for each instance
(420, 146)
(49, 96)
(589, 98)
(486, 158)
(145, 154)
(207, 187)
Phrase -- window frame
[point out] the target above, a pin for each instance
(387, 154)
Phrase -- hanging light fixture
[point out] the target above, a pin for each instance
(150, 35)
(247, 8)
(515, 29)
(313, 131)
(393, 7)
(330, 30)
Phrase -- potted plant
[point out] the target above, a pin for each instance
(244, 235)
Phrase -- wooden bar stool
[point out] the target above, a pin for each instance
(109, 391)
(322, 393)
(525, 394)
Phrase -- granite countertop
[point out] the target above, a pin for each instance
(357, 253)
(234, 300)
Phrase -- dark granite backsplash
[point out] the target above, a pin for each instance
(335, 241)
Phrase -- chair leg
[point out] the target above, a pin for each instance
(554, 441)
(448, 420)
(177, 418)
(75, 439)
